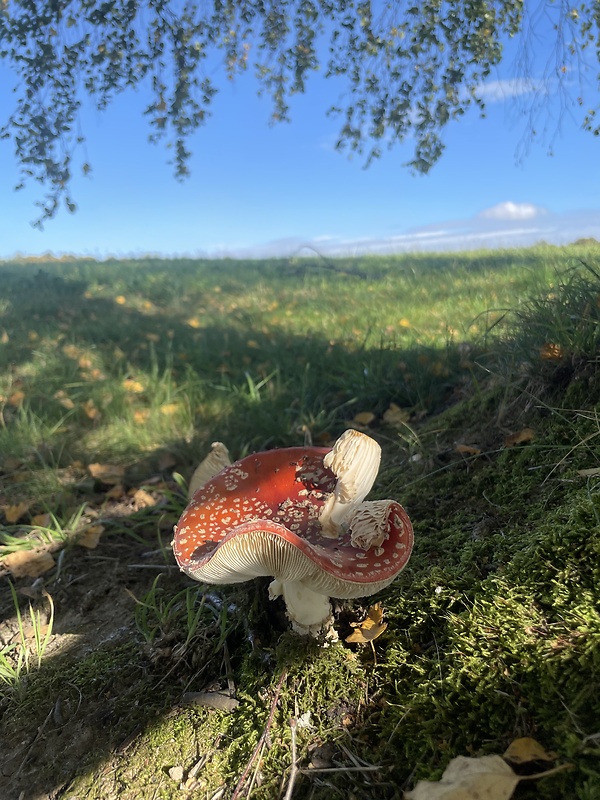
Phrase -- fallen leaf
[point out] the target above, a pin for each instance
(176, 774)
(223, 702)
(90, 537)
(168, 409)
(90, 409)
(364, 418)
(404, 323)
(141, 415)
(527, 749)
(84, 362)
(589, 473)
(28, 563)
(370, 628)
(467, 449)
(4, 338)
(485, 778)
(116, 492)
(194, 322)
(143, 499)
(16, 398)
(14, 513)
(521, 437)
(550, 351)
(107, 473)
(131, 385)
(120, 300)
(64, 399)
(396, 416)
(41, 520)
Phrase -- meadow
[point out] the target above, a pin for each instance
(477, 373)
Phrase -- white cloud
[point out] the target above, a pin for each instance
(499, 91)
(507, 224)
(510, 210)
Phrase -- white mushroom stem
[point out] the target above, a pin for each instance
(354, 461)
(308, 611)
(215, 461)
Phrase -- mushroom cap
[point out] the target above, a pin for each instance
(260, 517)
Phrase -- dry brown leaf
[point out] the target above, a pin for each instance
(14, 513)
(527, 749)
(550, 351)
(90, 537)
(370, 628)
(41, 520)
(64, 399)
(485, 778)
(364, 418)
(521, 437)
(28, 563)
(107, 473)
(90, 409)
(395, 416)
(467, 449)
(142, 498)
(589, 473)
(116, 492)
(16, 398)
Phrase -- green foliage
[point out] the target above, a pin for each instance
(408, 70)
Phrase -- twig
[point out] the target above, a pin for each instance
(261, 741)
(294, 770)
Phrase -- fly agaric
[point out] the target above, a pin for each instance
(299, 515)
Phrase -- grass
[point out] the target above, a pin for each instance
(494, 626)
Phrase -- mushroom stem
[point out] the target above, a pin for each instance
(308, 611)
(354, 460)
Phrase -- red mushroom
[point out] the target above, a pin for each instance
(299, 515)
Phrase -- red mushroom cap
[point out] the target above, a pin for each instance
(260, 516)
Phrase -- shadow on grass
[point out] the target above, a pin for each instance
(101, 718)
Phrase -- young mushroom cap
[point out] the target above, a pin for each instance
(262, 516)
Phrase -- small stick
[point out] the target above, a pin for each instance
(294, 770)
(262, 739)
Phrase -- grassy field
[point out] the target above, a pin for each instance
(478, 374)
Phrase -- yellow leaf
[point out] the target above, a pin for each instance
(107, 473)
(396, 416)
(14, 513)
(404, 323)
(120, 300)
(487, 777)
(370, 628)
(84, 362)
(467, 449)
(16, 398)
(521, 437)
(194, 322)
(527, 749)
(133, 386)
(364, 417)
(64, 399)
(90, 409)
(28, 563)
(91, 536)
(141, 415)
(168, 409)
(71, 351)
(551, 352)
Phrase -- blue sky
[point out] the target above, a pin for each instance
(257, 190)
